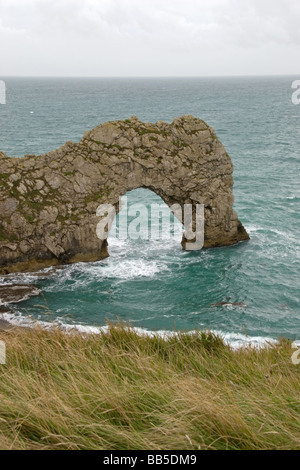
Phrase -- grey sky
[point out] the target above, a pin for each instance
(149, 37)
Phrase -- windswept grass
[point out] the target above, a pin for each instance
(123, 391)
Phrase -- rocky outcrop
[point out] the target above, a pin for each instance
(48, 203)
(14, 293)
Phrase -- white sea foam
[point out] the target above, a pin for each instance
(234, 340)
(115, 245)
(77, 276)
(128, 269)
(123, 269)
(265, 231)
(28, 278)
(254, 228)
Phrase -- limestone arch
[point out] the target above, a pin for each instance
(48, 203)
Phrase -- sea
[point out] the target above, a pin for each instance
(248, 293)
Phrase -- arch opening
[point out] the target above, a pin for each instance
(145, 218)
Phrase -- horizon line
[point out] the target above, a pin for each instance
(151, 76)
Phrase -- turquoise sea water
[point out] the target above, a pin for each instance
(153, 284)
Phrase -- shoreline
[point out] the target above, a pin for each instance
(9, 321)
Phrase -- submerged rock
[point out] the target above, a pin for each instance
(48, 203)
(230, 304)
(14, 293)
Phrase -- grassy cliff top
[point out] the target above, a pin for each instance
(123, 391)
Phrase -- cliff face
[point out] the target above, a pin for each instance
(48, 203)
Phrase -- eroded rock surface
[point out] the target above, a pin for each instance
(48, 203)
(14, 293)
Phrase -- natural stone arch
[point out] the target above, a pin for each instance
(48, 203)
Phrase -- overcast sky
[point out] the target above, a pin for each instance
(149, 37)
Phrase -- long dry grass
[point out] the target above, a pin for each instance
(123, 391)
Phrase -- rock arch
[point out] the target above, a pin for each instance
(48, 203)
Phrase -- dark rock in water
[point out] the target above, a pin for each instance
(48, 203)
(14, 293)
(4, 309)
(230, 304)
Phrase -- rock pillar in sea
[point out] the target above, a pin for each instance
(48, 202)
